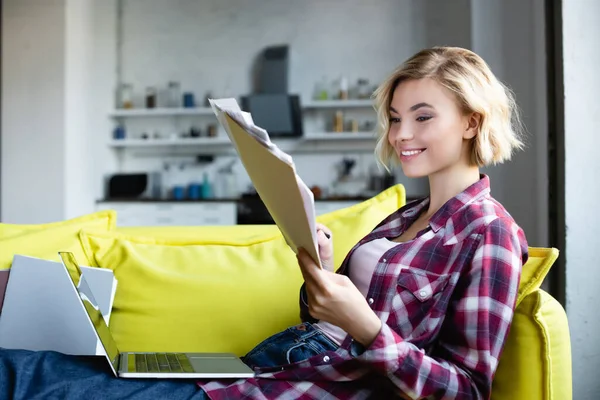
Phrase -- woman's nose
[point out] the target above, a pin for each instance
(400, 134)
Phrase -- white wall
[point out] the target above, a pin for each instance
(57, 74)
(33, 102)
(212, 45)
(79, 68)
(93, 51)
(581, 30)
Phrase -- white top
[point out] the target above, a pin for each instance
(362, 266)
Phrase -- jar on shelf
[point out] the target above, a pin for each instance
(363, 89)
(151, 97)
(126, 96)
(174, 94)
(321, 92)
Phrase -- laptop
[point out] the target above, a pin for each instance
(151, 364)
(3, 283)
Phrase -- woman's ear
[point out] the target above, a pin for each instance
(473, 123)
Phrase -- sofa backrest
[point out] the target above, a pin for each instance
(536, 361)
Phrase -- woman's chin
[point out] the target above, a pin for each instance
(413, 173)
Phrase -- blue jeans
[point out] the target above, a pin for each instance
(50, 375)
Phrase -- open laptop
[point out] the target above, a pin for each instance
(151, 365)
(3, 283)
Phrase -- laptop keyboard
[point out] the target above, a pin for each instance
(162, 362)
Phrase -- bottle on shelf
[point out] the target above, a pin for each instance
(343, 88)
(150, 97)
(119, 132)
(338, 121)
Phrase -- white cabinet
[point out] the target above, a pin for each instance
(172, 213)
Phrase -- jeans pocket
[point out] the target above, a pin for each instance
(300, 352)
(268, 352)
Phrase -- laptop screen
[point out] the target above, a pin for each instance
(91, 308)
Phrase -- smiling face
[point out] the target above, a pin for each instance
(428, 130)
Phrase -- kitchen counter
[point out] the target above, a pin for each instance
(221, 211)
(213, 200)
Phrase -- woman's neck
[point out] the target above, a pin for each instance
(445, 185)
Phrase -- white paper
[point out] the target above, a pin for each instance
(245, 120)
(289, 230)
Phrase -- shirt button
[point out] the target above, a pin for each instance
(384, 260)
(371, 301)
(423, 293)
(326, 359)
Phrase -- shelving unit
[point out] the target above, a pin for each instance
(224, 141)
(166, 112)
(311, 141)
(341, 136)
(352, 103)
(160, 112)
(124, 143)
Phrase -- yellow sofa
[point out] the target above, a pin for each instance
(227, 288)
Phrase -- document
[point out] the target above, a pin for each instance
(273, 173)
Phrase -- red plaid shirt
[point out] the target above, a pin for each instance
(446, 301)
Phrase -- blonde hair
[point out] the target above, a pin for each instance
(477, 90)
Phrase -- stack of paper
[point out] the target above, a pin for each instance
(287, 198)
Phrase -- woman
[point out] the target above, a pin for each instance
(421, 307)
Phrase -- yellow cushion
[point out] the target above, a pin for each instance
(222, 294)
(536, 361)
(98, 219)
(535, 270)
(46, 240)
(202, 233)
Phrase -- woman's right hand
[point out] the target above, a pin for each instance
(325, 242)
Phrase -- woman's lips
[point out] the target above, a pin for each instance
(410, 154)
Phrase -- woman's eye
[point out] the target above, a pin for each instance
(423, 118)
(394, 120)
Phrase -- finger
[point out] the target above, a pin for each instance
(310, 270)
(326, 230)
(322, 240)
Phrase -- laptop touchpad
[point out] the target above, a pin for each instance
(217, 364)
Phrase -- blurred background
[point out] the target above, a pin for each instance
(104, 105)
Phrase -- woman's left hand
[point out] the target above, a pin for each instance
(335, 299)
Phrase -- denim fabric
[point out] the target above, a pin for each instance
(294, 344)
(50, 375)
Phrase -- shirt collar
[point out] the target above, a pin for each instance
(438, 220)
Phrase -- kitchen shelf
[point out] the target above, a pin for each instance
(353, 103)
(123, 143)
(161, 112)
(224, 140)
(172, 112)
(341, 136)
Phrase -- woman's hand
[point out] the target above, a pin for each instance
(335, 299)
(325, 242)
